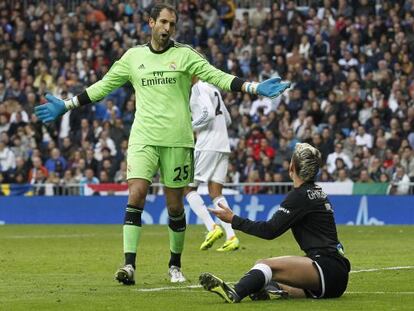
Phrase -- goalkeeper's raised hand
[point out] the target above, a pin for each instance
(52, 109)
(270, 88)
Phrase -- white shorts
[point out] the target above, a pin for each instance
(210, 166)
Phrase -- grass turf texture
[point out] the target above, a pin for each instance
(72, 267)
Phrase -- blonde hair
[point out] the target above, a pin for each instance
(306, 160)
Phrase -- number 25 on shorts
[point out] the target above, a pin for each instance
(181, 173)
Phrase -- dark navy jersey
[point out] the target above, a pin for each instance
(307, 211)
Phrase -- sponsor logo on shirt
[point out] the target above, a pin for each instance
(158, 79)
(284, 210)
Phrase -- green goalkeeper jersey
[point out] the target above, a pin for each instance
(162, 83)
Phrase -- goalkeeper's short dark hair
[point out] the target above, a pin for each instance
(156, 10)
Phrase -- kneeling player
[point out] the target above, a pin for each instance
(322, 273)
(210, 121)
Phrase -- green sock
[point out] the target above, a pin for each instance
(176, 232)
(176, 241)
(131, 238)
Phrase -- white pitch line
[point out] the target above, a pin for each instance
(48, 236)
(383, 269)
(181, 288)
(158, 289)
(380, 293)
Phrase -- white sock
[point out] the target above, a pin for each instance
(227, 227)
(200, 209)
(267, 271)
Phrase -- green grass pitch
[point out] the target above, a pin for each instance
(71, 267)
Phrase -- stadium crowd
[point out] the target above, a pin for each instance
(352, 96)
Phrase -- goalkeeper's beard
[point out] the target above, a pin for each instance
(161, 41)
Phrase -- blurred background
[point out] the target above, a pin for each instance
(352, 96)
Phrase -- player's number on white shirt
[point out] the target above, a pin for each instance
(218, 110)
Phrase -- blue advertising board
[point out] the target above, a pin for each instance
(349, 209)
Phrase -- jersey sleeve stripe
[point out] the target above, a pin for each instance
(181, 45)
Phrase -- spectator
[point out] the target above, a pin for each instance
(88, 179)
(227, 13)
(233, 176)
(348, 61)
(104, 177)
(84, 133)
(283, 153)
(120, 175)
(364, 177)
(56, 163)
(343, 176)
(104, 142)
(253, 177)
(375, 169)
(259, 16)
(210, 17)
(263, 103)
(400, 181)
(265, 167)
(38, 172)
(250, 166)
(68, 183)
(39, 182)
(320, 49)
(363, 138)
(263, 150)
(338, 153)
(407, 161)
(325, 176)
(7, 158)
(304, 46)
(19, 174)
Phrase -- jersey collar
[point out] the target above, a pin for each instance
(170, 44)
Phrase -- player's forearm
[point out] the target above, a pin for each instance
(92, 94)
(262, 229)
(240, 85)
(117, 76)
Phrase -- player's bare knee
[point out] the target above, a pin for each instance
(273, 264)
(136, 200)
(214, 190)
(175, 209)
(137, 194)
(263, 261)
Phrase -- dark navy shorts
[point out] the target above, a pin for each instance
(333, 271)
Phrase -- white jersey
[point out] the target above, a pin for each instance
(210, 118)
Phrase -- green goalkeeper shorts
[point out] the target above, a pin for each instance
(176, 164)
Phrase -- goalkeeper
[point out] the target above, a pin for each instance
(322, 273)
(161, 136)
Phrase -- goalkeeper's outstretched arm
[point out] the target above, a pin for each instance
(117, 76)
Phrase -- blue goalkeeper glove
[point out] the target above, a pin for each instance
(50, 111)
(272, 87)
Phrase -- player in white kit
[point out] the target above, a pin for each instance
(211, 157)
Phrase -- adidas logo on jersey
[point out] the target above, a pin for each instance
(141, 67)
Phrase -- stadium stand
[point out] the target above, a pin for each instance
(350, 63)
